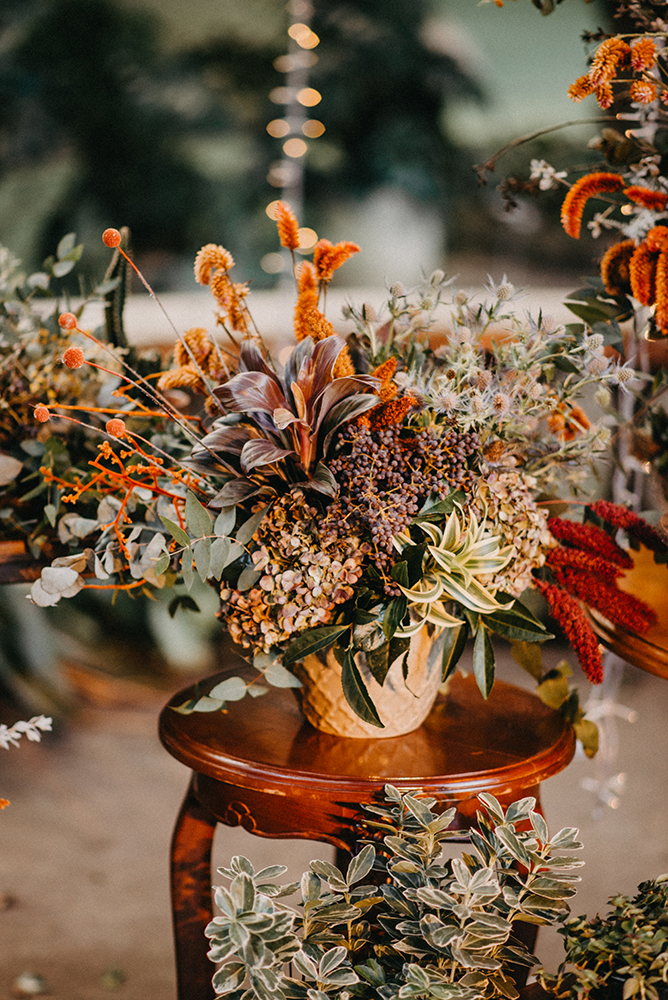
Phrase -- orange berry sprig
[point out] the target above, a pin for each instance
(112, 239)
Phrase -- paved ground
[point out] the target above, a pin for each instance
(84, 844)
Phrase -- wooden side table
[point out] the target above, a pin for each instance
(263, 766)
(647, 581)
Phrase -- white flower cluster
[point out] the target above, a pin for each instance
(33, 729)
(546, 175)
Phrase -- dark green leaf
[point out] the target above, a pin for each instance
(483, 661)
(378, 662)
(198, 518)
(453, 647)
(249, 527)
(399, 573)
(312, 641)
(356, 693)
(436, 511)
(517, 624)
(394, 615)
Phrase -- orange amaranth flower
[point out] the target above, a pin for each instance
(344, 366)
(643, 54)
(211, 258)
(42, 413)
(570, 616)
(656, 200)
(386, 414)
(385, 372)
(608, 56)
(661, 309)
(657, 239)
(327, 257)
(307, 299)
(642, 275)
(288, 227)
(621, 517)
(74, 357)
(615, 267)
(642, 91)
(582, 88)
(589, 538)
(604, 96)
(583, 189)
(4, 803)
(567, 422)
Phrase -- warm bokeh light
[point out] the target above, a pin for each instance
(281, 95)
(272, 263)
(271, 209)
(307, 238)
(294, 148)
(313, 128)
(303, 36)
(307, 96)
(278, 128)
(281, 173)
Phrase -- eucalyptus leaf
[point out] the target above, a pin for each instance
(198, 519)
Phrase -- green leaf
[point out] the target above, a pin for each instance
(198, 519)
(529, 656)
(517, 624)
(248, 577)
(454, 643)
(249, 527)
(202, 554)
(312, 641)
(225, 521)
(62, 267)
(231, 689)
(66, 245)
(277, 675)
(175, 530)
(378, 662)
(220, 549)
(394, 615)
(162, 563)
(361, 864)
(483, 661)
(356, 693)
(436, 511)
(399, 573)
(187, 569)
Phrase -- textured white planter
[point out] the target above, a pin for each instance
(402, 705)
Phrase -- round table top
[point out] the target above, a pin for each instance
(466, 744)
(647, 581)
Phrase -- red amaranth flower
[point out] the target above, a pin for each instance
(586, 562)
(621, 608)
(570, 616)
(589, 538)
(622, 517)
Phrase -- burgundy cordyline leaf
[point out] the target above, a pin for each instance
(250, 392)
(262, 452)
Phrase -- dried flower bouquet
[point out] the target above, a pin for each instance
(372, 487)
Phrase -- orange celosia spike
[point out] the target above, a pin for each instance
(288, 227)
(615, 267)
(327, 257)
(642, 274)
(655, 200)
(642, 91)
(211, 258)
(643, 54)
(608, 55)
(604, 96)
(393, 412)
(582, 88)
(661, 311)
(344, 366)
(307, 298)
(583, 189)
(198, 341)
(657, 239)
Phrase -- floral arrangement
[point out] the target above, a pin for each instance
(402, 477)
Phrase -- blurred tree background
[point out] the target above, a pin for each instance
(154, 116)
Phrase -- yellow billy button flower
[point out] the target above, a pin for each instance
(452, 563)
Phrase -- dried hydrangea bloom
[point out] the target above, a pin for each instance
(513, 514)
(306, 574)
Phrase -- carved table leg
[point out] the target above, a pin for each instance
(191, 898)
